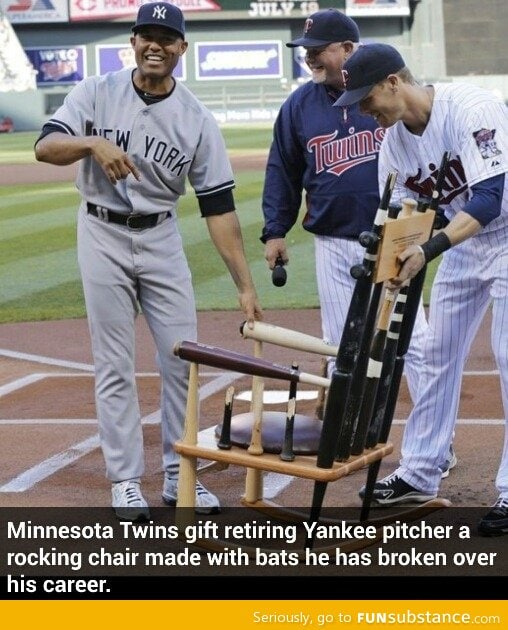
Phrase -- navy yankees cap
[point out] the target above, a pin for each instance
(160, 14)
(326, 27)
(369, 65)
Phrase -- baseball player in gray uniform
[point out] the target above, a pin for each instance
(138, 135)
(423, 122)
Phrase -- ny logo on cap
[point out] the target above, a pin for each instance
(308, 25)
(159, 12)
(345, 77)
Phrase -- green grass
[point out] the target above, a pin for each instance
(39, 278)
(17, 148)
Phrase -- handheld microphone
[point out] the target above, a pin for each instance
(279, 274)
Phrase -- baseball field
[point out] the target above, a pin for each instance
(38, 271)
(48, 427)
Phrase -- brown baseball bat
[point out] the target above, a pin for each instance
(235, 361)
(287, 338)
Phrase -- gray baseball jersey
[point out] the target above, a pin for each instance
(169, 141)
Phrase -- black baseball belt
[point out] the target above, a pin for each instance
(132, 221)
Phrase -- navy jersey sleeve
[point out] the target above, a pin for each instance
(282, 192)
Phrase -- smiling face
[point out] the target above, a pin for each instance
(326, 63)
(157, 51)
(385, 102)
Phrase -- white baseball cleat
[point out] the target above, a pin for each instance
(128, 502)
(451, 463)
(206, 502)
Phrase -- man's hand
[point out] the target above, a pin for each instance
(412, 260)
(275, 248)
(251, 307)
(114, 162)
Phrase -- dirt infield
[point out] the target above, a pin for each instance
(49, 430)
(40, 173)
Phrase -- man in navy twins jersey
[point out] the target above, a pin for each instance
(333, 159)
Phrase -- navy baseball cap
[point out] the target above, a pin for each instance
(326, 27)
(369, 65)
(160, 14)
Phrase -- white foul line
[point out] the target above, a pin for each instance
(48, 467)
(36, 358)
(273, 483)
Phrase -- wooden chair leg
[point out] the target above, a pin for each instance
(254, 477)
(186, 491)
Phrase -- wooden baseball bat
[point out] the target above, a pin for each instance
(351, 338)
(374, 369)
(258, 388)
(357, 388)
(287, 444)
(338, 392)
(234, 361)
(409, 299)
(387, 369)
(287, 338)
(376, 357)
(224, 442)
(287, 454)
(359, 394)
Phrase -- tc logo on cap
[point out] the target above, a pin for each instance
(308, 25)
(345, 77)
(159, 12)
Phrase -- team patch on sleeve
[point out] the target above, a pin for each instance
(486, 143)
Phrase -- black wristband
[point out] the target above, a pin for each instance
(435, 246)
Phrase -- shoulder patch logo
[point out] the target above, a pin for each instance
(486, 143)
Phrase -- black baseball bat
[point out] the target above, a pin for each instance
(224, 442)
(376, 360)
(351, 337)
(386, 378)
(402, 328)
(347, 353)
(373, 375)
(360, 389)
(287, 454)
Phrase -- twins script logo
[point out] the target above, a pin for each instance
(337, 156)
(454, 183)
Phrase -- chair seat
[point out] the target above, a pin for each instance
(306, 432)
